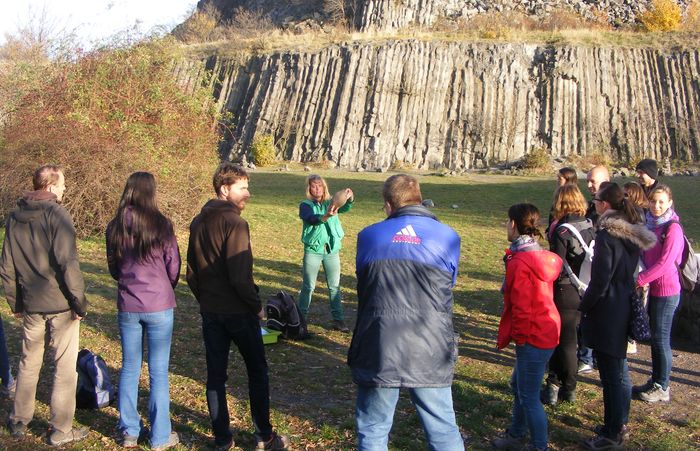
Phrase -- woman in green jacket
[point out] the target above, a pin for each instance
(322, 235)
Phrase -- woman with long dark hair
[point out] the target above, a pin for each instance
(569, 211)
(531, 320)
(606, 307)
(661, 276)
(144, 258)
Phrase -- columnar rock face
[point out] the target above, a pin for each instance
(460, 105)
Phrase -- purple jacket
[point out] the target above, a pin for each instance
(661, 272)
(146, 286)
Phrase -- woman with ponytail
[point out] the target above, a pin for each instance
(143, 257)
(531, 320)
(661, 276)
(606, 307)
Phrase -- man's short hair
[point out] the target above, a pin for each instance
(46, 176)
(227, 174)
(401, 190)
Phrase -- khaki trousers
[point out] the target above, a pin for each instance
(61, 332)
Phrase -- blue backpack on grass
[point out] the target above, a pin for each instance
(95, 388)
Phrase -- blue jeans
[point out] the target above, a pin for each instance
(617, 393)
(661, 312)
(157, 329)
(528, 413)
(331, 266)
(374, 412)
(244, 330)
(5, 373)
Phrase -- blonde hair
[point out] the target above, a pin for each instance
(568, 199)
(316, 178)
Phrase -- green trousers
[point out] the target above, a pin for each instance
(331, 266)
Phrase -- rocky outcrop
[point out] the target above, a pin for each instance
(460, 105)
(393, 14)
(382, 15)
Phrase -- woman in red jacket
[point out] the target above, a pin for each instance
(531, 320)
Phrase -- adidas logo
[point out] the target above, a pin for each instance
(406, 235)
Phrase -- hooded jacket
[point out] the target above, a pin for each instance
(662, 260)
(529, 314)
(406, 269)
(606, 304)
(39, 264)
(220, 261)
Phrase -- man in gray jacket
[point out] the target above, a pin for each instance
(45, 289)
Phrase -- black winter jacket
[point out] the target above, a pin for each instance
(606, 304)
(39, 265)
(566, 245)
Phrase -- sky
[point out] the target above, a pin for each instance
(94, 20)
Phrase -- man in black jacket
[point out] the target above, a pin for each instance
(45, 289)
(220, 275)
(406, 270)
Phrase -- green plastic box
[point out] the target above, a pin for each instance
(270, 336)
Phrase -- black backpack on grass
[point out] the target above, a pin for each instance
(284, 315)
(95, 388)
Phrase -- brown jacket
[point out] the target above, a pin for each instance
(220, 261)
(39, 264)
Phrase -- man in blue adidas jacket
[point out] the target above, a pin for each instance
(403, 338)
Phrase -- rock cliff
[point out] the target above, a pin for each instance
(459, 105)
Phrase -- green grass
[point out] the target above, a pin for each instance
(312, 394)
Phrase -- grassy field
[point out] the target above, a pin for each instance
(312, 394)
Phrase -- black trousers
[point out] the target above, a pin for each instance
(563, 365)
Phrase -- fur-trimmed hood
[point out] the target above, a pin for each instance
(616, 225)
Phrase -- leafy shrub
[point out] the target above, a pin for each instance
(537, 161)
(663, 15)
(263, 150)
(201, 26)
(691, 20)
(104, 116)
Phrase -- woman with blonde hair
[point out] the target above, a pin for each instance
(569, 212)
(322, 236)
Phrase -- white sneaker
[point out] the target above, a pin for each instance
(656, 394)
(631, 347)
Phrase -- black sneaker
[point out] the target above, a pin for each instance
(17, 429)
(276, 442)
(549, 394)
(508, 441)
(602, 442)
(624, 433)
(339, 324)
(58, 438)
(224, 446)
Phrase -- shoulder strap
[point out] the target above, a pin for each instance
(577, 234)
(667, 225)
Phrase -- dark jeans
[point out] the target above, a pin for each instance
(661, 312)
(617, 392)
(563, 366)
(244, 331)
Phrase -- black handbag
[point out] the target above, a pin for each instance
(639, 328)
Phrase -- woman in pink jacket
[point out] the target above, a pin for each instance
(661, 275)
